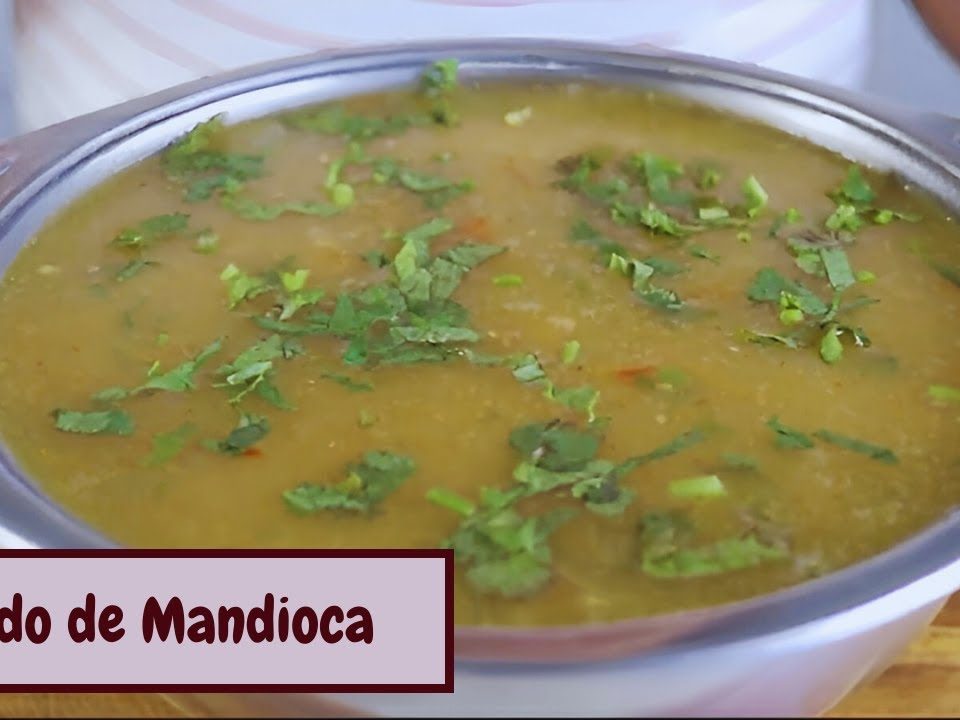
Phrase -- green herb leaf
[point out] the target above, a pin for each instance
(944, 393)
(105, 422)
(845, 217)
(193, 161)
(755, 195)
(581, 399)
(180, 378)
(876, 452)
(583, 232)
(506, 553)
(570, 351)
(855, 188)
(837, 267)
(377, 475)
(436, 190)
(720, 557)
(250, 209)
(348, 382)
(678, 444)
(168, 445)
(769, 286)
(762, 338)
(508, 280)
(451, 501)
(701, 486)
(787, 437)
(249, 431)
(252, 367)
(437, 83)
(831, 349)
(555, 446)
(701, 252)
(241, 286)
(334, 120)
(133, 268)
(737, 461)
(154, 228)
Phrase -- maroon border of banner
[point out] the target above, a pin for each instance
(445, 687)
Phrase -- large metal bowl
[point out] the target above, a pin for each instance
(797, 651)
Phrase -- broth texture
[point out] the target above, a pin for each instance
(611, 326)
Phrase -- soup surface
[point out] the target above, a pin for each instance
(626, 355)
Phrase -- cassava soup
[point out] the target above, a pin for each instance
(624, 354)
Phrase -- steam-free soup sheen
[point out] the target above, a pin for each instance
(690, 358)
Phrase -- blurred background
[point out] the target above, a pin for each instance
(902, 60)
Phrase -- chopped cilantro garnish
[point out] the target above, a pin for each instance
(105, 422)
(249, 209)
(658, 174)
(831, 349)
(855, 188)
(506, 553)
(378, 474)
(252, 370)
(348, 382)
(699, 251)
(133, 268)
(788, 437)
(437, 191)
(570, 351)
(295, 293)
(169, 444)
(556, 446)
(701, 486)
(790, 216)
(192, 161)
(648, 216)
(876, 452)
(886, 216)
(716, 212)
(708, 178)
(241, 286)
(451, 501)
(770, 286)
(738, 461)
(152, 229)
(334, 120)
(508, 280)
(762, 338)
(845, 217)
(250, 430)
(837, 267)
(664, 558)
(755, 195)
(680, 443)
(376, 258)
(640, 273)
(437, 82)
(582, 399)
(944, 393)
(180, 378)
(341, 195)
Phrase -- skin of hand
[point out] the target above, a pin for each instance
(942, 18)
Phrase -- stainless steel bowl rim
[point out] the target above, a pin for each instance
(915, 572)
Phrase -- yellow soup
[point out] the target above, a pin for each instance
(626, 355)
